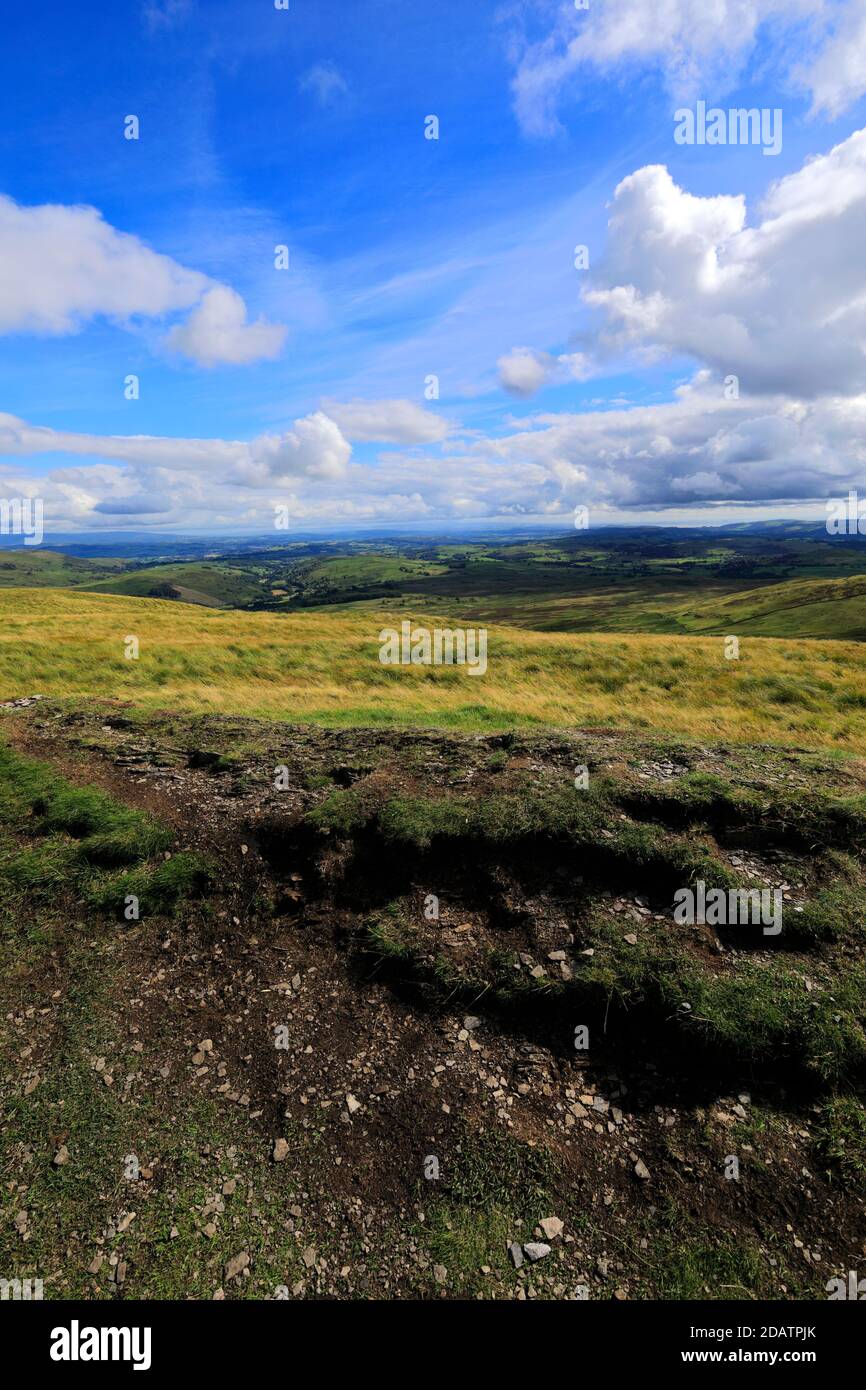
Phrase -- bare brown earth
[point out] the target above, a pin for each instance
(625, 1144)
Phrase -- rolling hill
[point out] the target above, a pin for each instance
(211, 586)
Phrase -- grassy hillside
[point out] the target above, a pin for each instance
(36, 568)
(821, 608)
(325, 667)
(213, 586)
(629, 582)
(799, 608)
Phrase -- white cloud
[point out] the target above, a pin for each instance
(781, 304)
(523, 371)
(387, 422)
(699, 449)
(326, 81)
(61, 267)
(165, 14)
(217, 332)
(314, 447)
(697, 46)
(837, 76)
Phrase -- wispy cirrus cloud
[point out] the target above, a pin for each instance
(165, 14)
(694, 46)
(325, 81)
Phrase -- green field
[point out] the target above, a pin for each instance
(51, 569)
(806, 589)
(778, 582)
(213, 586)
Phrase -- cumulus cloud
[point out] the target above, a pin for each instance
(698, 449)
(314, 447)
(696, 46)
(780, 304)
(217, 332)
(61, 267)
(523, 371)
(777, 300)
(387, 422)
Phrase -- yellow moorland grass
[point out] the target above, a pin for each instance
(324, 667)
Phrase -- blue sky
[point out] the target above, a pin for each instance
(412, 257)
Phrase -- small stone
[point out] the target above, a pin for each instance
(516, 1253)
(352, 1105)
(536, 1250)
(440, 1274)
(281, 1151)
(551, 1226)
(237, 1264)
(641, 1171)
(61, 1156)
